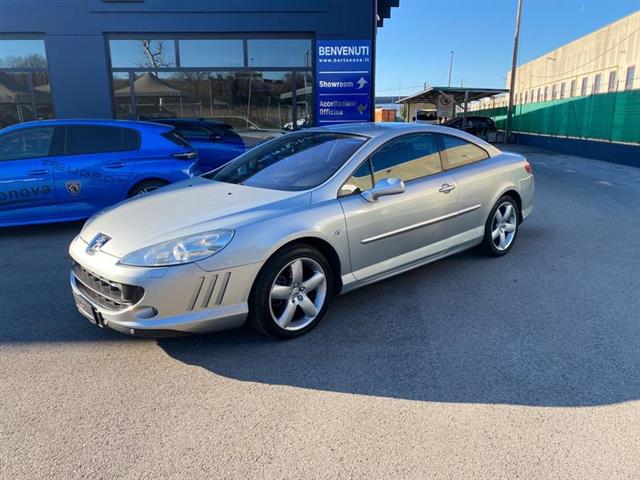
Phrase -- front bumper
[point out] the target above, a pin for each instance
(170, 300)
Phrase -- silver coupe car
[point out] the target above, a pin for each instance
(271, 237)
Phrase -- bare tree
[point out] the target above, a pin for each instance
(34, 60)
(154, 54)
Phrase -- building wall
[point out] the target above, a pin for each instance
(600, 119)
(75, 33)
(608, 52)
(612, 49)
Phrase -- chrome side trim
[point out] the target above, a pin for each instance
(420, 225)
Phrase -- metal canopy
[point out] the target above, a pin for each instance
(458, 94)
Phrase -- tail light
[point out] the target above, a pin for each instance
(527, 167)
(186, 155)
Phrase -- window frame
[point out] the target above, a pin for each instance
(612, 85)
(584, 87)
(371, 155)
(371, 177)
(597, 83)
(629, 81)
(245, 68)
(443, 153)
(65, 140)
(405, 135)
(49, 153)
(31, 71)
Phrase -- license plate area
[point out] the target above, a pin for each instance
(88, 311)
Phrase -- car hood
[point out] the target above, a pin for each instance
(194, 206)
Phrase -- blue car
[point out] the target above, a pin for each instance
(63, 170)
(215, 142)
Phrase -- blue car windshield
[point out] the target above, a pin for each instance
(293, 162)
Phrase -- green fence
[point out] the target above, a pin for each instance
(609, 116)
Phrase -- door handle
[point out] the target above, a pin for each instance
(115, 165)
(446, 188)
(37, 173)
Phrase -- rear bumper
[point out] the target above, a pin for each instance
(527, 192)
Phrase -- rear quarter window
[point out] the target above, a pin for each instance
(86, 139)
(457, 152)
(176, 139)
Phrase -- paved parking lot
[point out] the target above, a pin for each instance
(526, 366)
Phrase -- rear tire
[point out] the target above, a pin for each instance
(145, 187)
(291, 293)
(501, 229)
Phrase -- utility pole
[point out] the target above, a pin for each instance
(514, 67)
(450, 67)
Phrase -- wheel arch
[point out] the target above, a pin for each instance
(513, 193)
(324, 247)
(139, 182)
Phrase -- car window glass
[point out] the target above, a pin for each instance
(83, 139)
(291, 162)
(360, 181)
(406, 158)
(130, 139)
(192, 131)
(29, 143)
(457, 152)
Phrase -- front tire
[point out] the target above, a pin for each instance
(291, 293)
(501, 229)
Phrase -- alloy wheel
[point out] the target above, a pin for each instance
(503, 226)
(298, 294)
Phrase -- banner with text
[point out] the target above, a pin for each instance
(343, 87)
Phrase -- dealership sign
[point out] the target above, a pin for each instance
(343, 88)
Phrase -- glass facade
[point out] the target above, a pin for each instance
(25, 91)
(249, 83)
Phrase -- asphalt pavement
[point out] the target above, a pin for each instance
(527, 366)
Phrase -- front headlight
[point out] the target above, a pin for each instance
(179, 251)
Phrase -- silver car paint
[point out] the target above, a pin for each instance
(371, 240)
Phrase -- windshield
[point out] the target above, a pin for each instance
(297, 161)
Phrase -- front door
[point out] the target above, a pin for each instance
(402, 229)
(27, 192)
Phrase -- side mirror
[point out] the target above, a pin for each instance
(386, 186)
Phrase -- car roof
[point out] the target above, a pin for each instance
(138, 125)
(196, 121)
(391, 129)
(380, 128)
